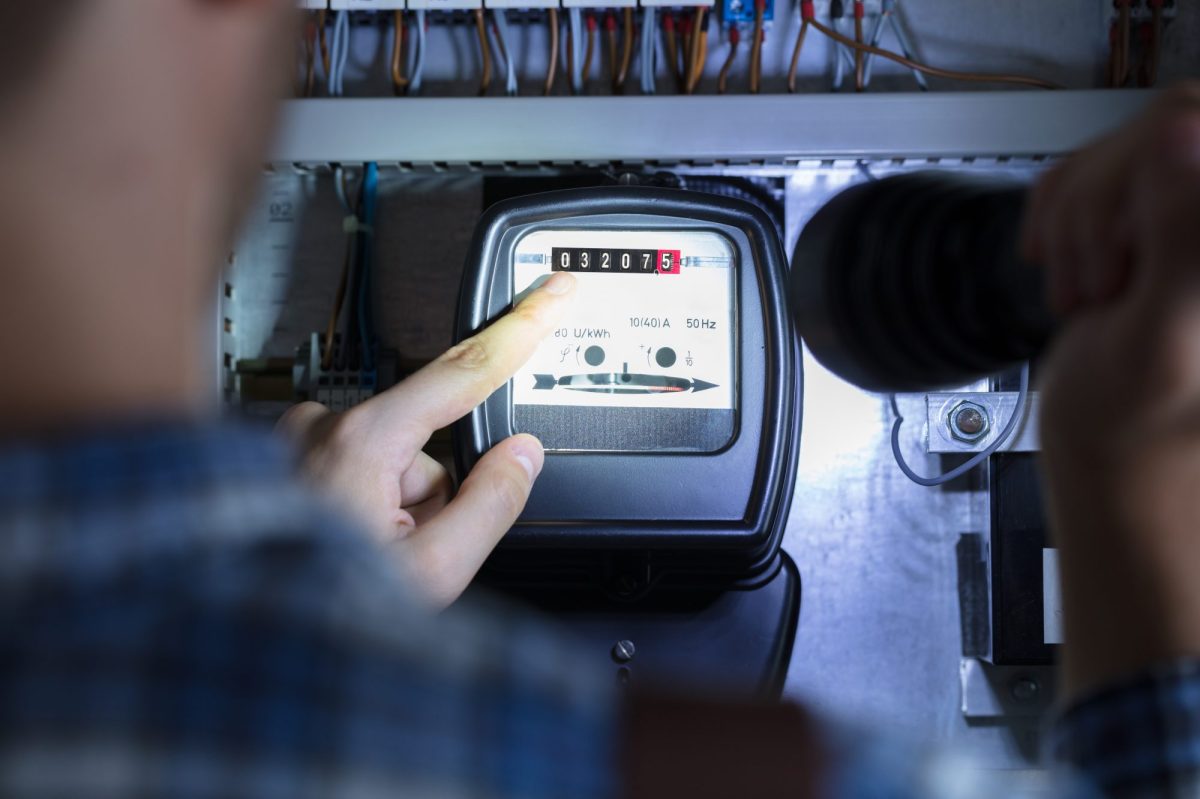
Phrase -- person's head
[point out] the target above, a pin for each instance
(131, 133)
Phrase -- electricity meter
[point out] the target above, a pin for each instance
(668, 401)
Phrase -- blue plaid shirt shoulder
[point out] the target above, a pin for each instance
(179, 618)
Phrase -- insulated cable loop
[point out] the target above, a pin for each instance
(978, 77)
(1018, 413)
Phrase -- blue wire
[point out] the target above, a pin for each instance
(370, 192)
(339, 54)
(1018, 413)
(907, 48)
(414, 82)
(649, 36)
(335, 53)
(500, 26)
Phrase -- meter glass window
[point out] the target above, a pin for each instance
(646, 361)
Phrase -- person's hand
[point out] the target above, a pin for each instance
(369, 458)
(1117, 226)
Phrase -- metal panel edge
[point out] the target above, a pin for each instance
(772, 129)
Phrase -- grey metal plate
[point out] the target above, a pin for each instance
(880, 638)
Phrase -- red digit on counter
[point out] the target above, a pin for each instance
(668, 262)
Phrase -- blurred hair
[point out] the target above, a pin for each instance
(31, 28)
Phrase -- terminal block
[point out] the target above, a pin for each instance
(340, 389)
(741, 12)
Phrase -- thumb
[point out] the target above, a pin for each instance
(446, 552)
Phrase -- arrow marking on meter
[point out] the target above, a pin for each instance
(621, 383)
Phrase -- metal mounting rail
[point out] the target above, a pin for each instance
(776, 129)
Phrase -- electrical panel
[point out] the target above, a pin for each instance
(430, 48)
(815, 126)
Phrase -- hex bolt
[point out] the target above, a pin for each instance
(623, 651)
(969, 421)
(1025, 689)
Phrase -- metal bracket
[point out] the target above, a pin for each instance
(998, 405)
(443, 132)
(990, 691)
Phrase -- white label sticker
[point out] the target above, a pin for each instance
(653, 325)
(1052, 626)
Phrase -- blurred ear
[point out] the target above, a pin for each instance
(247, 66)
(247, 45)
(157, 115)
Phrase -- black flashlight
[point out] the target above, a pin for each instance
(914, 282)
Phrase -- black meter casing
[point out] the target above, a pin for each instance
(677, 515)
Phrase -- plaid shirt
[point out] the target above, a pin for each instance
(179, 618)
(1140, 738)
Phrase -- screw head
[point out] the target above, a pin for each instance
(1025, 689)
(623, 651)
(969, 421)
(625, 585)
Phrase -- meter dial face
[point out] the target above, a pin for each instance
(646, 360)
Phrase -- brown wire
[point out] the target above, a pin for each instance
(340, 296)
(977, 77)
(672, 48)
(586, 71)
(324, 39)
(570, 57)
(687, 54)
(858, 53)
(1123, 35)
(756, 49)
(626, 50)
(699, 52)
(686, 37)
(792, 68)
(690, 57)
(610, 36)
(399, 79)
(723, 75)
(485, 52)
(339, 299)
(548, 89)
(701, 60)
(310, 56)
(1150, 73)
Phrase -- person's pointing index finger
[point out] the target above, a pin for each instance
(467, 374)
